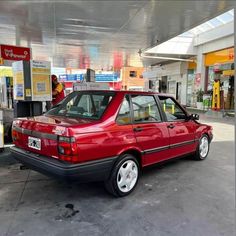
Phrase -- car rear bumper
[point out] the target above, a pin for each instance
(98, 170)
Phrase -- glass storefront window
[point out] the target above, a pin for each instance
(171, 87)
(190, 87)
(210, 78)
(227, 84)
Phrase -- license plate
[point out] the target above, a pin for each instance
(34, 143)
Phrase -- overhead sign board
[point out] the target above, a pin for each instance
(15, 53)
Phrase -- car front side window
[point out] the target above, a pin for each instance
(172, 109)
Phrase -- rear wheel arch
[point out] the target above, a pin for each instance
(134, 152)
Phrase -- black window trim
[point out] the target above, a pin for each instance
(130, 114)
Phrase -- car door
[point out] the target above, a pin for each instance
(181, 129)
(150, 131)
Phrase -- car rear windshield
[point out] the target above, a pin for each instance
(90, 105)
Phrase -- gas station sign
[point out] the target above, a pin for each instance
(14, 53)
(221, 57)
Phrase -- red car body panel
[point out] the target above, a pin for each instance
(105, 138)
(182, 132)
(153, 136)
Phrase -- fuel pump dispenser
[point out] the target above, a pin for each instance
(31, 87)
(6, 108)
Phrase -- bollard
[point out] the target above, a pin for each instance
(173, 109)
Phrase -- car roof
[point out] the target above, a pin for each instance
(130, 92)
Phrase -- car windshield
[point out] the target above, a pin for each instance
(83, 104)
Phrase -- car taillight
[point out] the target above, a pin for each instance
(15, 135)
(67, 149)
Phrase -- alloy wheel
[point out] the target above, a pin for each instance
(127, 176)
(204, 147)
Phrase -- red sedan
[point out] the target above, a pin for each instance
(109, 136)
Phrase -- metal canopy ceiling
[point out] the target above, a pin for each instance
(99, 34)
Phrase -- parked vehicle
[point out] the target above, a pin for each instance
(109, 136)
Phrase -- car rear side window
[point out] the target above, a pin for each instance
(124, 116)
(145, 109)
(89, 105)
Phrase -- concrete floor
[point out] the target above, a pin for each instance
(183, 197)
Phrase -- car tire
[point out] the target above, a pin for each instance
(203, 148)
(124, 176)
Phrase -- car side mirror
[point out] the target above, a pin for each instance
(194, 117)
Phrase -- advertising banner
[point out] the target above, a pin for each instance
(106, 77)
(71, 77)
(41, 80)
(14, 53)
(18, 80)
(101, 77)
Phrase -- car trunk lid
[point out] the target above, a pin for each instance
(40, 134)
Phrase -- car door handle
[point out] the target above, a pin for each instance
(170, 126)
(137, 129)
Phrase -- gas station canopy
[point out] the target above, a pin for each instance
(100, 34)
